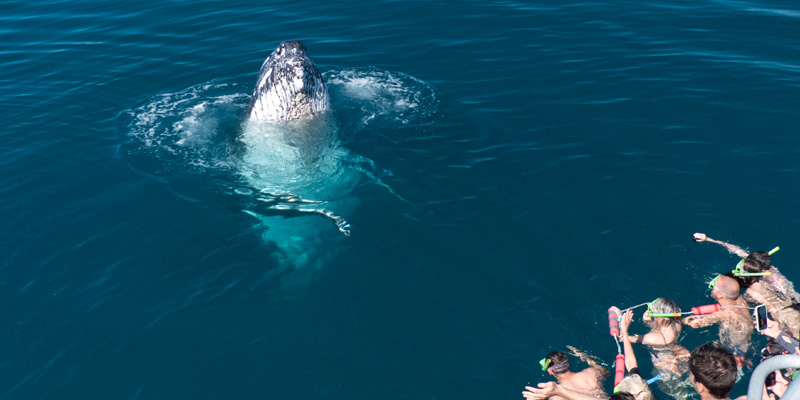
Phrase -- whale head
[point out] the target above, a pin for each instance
(289, 86)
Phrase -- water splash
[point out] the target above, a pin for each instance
(295, 178)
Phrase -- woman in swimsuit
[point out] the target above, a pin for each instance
(670, 359)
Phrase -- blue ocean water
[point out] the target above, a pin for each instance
(525, 166)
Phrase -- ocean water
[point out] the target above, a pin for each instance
(508, 171)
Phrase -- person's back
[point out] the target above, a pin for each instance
(662, 340)
(589, 381)
(736, 327)
(668, 357)
(735, 323)
(777, 293)
(782, 284)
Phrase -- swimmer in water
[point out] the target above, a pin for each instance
(734, 320)
(670, 359)
(587, 382)
(632, 387)
(773, 290)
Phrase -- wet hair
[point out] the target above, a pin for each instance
(636, 387)
(762, 258)
(770, 379)
(560, 362)
(772, 349)
(622, 396)
(757, 261)
(714, 367)
(664, 305)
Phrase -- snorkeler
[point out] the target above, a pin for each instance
(632, 387)
(669, 358)
(587, 382)
(733, 318)
(764, 284)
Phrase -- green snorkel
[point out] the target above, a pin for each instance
(738, 270)
(662, 315)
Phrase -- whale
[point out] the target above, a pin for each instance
(276, 149)
(292, 163)
(289, 86)
(297, 178)
(292, 151)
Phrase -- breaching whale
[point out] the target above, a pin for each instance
(292, 155)
(276, 148)
(289, 86)
(294, 161)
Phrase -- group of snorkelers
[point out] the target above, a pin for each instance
(711, 369)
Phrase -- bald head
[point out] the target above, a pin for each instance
(727, 287)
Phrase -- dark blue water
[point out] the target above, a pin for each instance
(553, 159)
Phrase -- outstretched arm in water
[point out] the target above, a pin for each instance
(734, 249)
(700, 321)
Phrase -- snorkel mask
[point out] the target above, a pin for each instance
(739, 272)
(650, 305)
(713, 284)
(545, 363)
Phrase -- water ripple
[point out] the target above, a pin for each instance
(504, 123)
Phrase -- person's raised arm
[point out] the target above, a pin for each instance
(630, 358)
(786, 341)
(734, 249)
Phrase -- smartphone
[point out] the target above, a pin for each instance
(760, 313)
